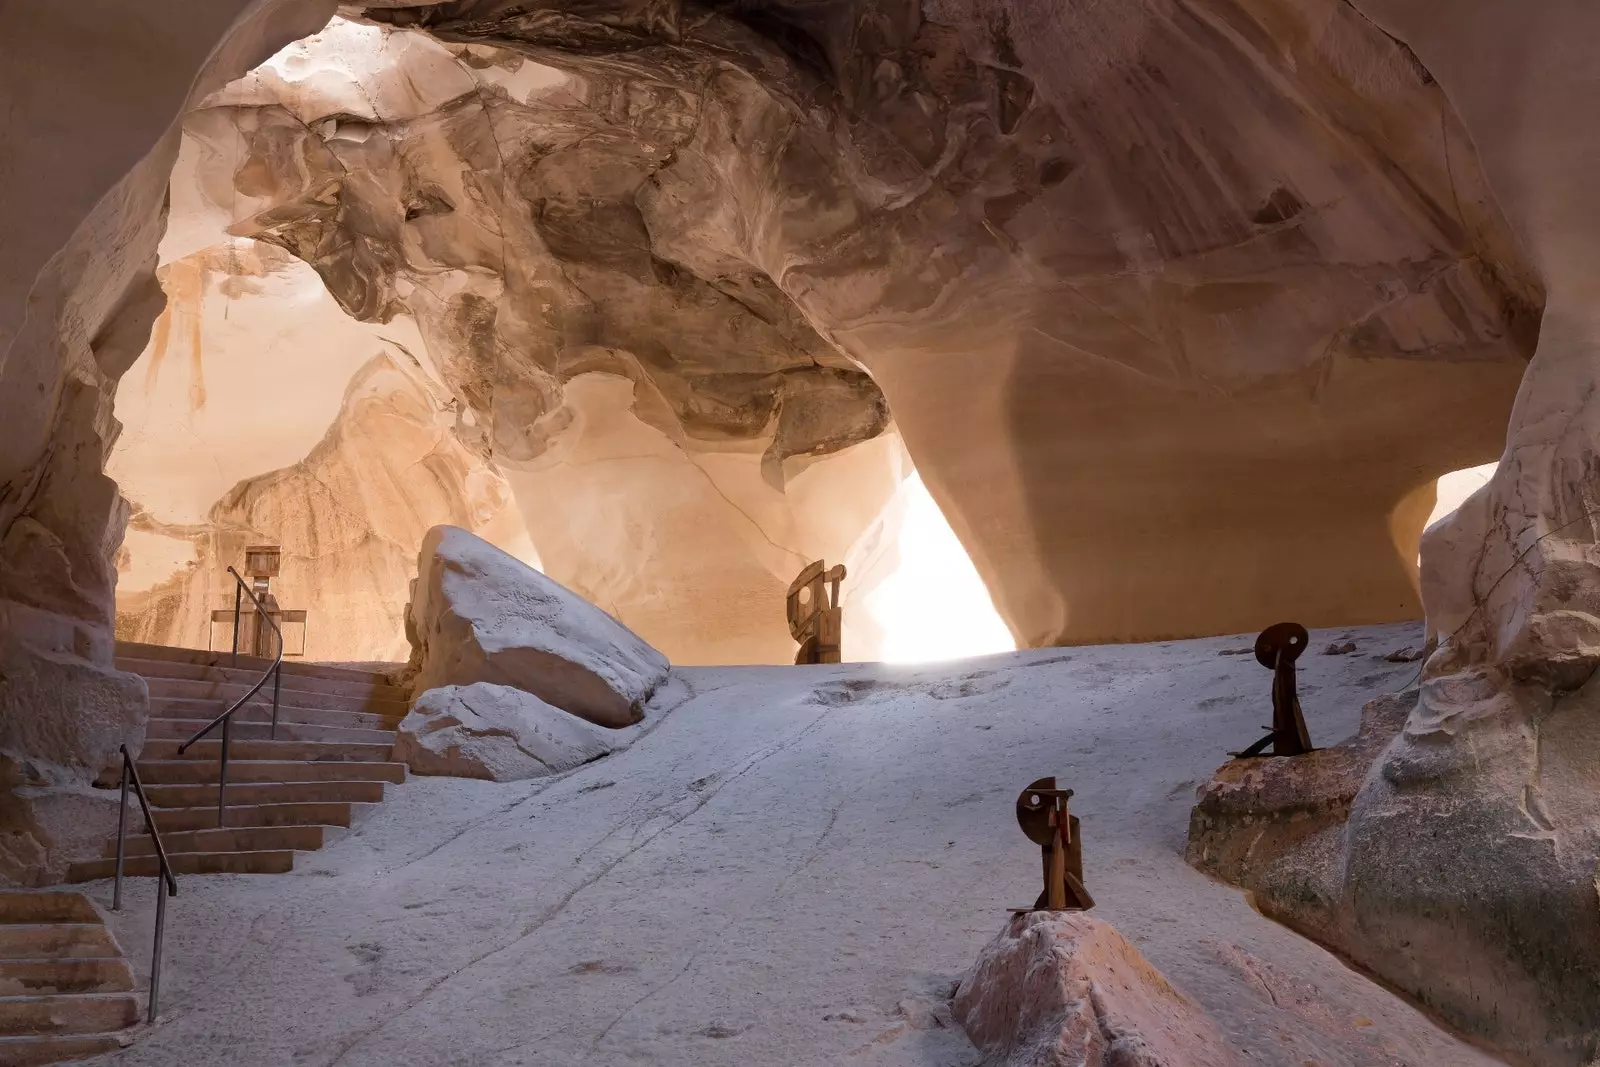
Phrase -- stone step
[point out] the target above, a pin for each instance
(83, 1013)
(133, 652)
(194, 796)
(182, 729)
(32, 978)
(255, 711)
(274, 861)
(194, 772)
(231, 839)
(301, 751)
(46, 907)
(180, 820)
(220, 693)
(56, 941)
(302, 690)
(261, 712)
(36, 1050)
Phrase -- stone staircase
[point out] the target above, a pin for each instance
(332, 756)
(66, 992)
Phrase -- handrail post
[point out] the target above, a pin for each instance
(277, 679)
(238, 589)
(222, 770)
(155, 956)
(122, 834)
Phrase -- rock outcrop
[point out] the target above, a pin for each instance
(480, 615)
(1252, 230)
(81, 212)
(494, 732)
(1465, 874)
(1058, 989)
(679, 473)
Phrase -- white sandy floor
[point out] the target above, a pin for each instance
(794, 867)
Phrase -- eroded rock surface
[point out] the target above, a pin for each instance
(1250, 230)
(480, 615)
(1466, 872)
(494, 732)
(1062, 989)
(82, 194)
(680, 492)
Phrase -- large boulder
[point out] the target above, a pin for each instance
(1061, 989)
(494, 732)
(481, 615)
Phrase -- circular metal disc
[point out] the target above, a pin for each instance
(1033, 812)
(1291, 637)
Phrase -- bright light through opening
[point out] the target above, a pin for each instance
(1455, 487)
(934, 606)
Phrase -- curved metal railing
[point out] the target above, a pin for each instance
(225, 720)
(130, 772)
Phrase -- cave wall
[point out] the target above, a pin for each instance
(1207, 293)
(83, 188)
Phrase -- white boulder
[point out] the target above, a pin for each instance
(494, 732)
(481, 615)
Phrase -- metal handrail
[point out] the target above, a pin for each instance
(130, 771)
(226, 718)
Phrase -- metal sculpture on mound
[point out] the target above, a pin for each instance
(815, 619)
(1276, 649)
(1042, 813)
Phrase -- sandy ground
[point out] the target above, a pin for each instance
(793, 867)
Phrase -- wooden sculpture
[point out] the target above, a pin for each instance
(1276, 649)
(1042, 813)
(815, 619)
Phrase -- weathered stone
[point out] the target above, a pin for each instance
(1059, 989)
(480, 615)
(1256, 823)
(494, 732)
(1451, 851)
(800, 196)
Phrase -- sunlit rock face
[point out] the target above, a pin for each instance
(676, 453)
(1122, 270)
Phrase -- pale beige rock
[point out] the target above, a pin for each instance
(1063, 989)
(350, 517)
(81, 212)
(479, 615)
(1333, 320)
(493, 732)
(1465, 874)
(684, 534)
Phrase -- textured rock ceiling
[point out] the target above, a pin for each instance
(1181, 307)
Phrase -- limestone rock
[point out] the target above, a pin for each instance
(804, 194)
(480, 615)
(1267, 823)
(1058, 989)
(493, 732)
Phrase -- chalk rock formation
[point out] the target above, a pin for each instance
(480, 615)
(81, 212)
(493, 732)
(1251, 230)
(1466, 872)
(691, 485)
(1058, 989)
(349, 515)
(1253, 225)
(1275, 825)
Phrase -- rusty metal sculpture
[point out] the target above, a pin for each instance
(1276, 649)
(1042, 813)
(815, 619)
